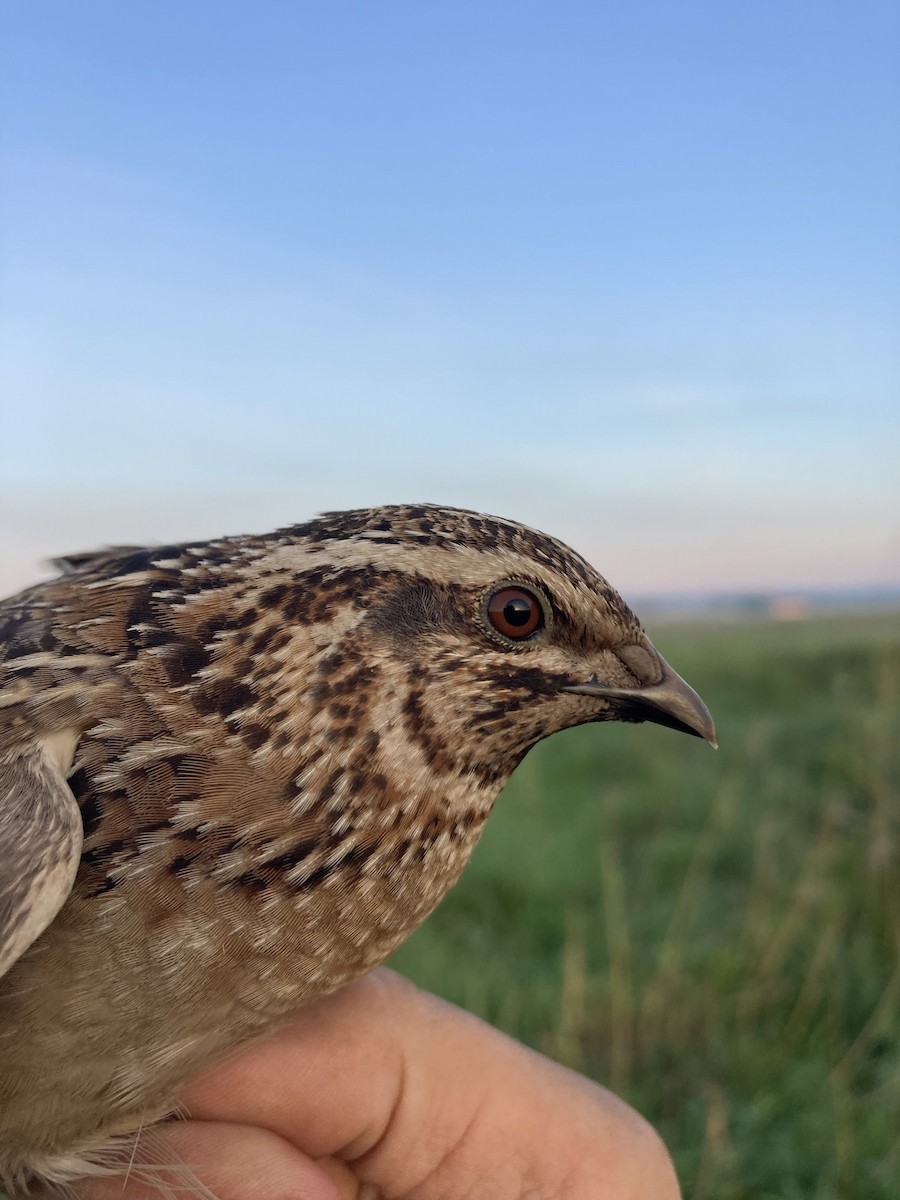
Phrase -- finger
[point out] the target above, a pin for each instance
(424, 1100)
(328, 1079)
(228, 1161)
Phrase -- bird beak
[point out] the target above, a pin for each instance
(669, 701)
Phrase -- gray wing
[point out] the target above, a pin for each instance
(40, 842)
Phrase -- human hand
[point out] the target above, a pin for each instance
(384, 1091)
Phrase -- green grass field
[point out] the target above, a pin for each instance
(716, 936)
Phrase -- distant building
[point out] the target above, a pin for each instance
(790, 608)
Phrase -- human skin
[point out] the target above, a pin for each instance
(382, 1090)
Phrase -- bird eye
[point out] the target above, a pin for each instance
(515, 613)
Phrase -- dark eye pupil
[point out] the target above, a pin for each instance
(517, 612)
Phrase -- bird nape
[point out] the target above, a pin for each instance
(238, 773)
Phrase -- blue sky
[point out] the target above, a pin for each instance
(629, 273)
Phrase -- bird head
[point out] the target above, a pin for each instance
(495, 634)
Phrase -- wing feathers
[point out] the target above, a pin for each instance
(40, 842)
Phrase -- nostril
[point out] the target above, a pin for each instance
(642, 661)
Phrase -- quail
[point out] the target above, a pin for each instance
(238, 773)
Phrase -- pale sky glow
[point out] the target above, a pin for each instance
(628, 273)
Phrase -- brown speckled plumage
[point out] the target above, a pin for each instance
(283, 749)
